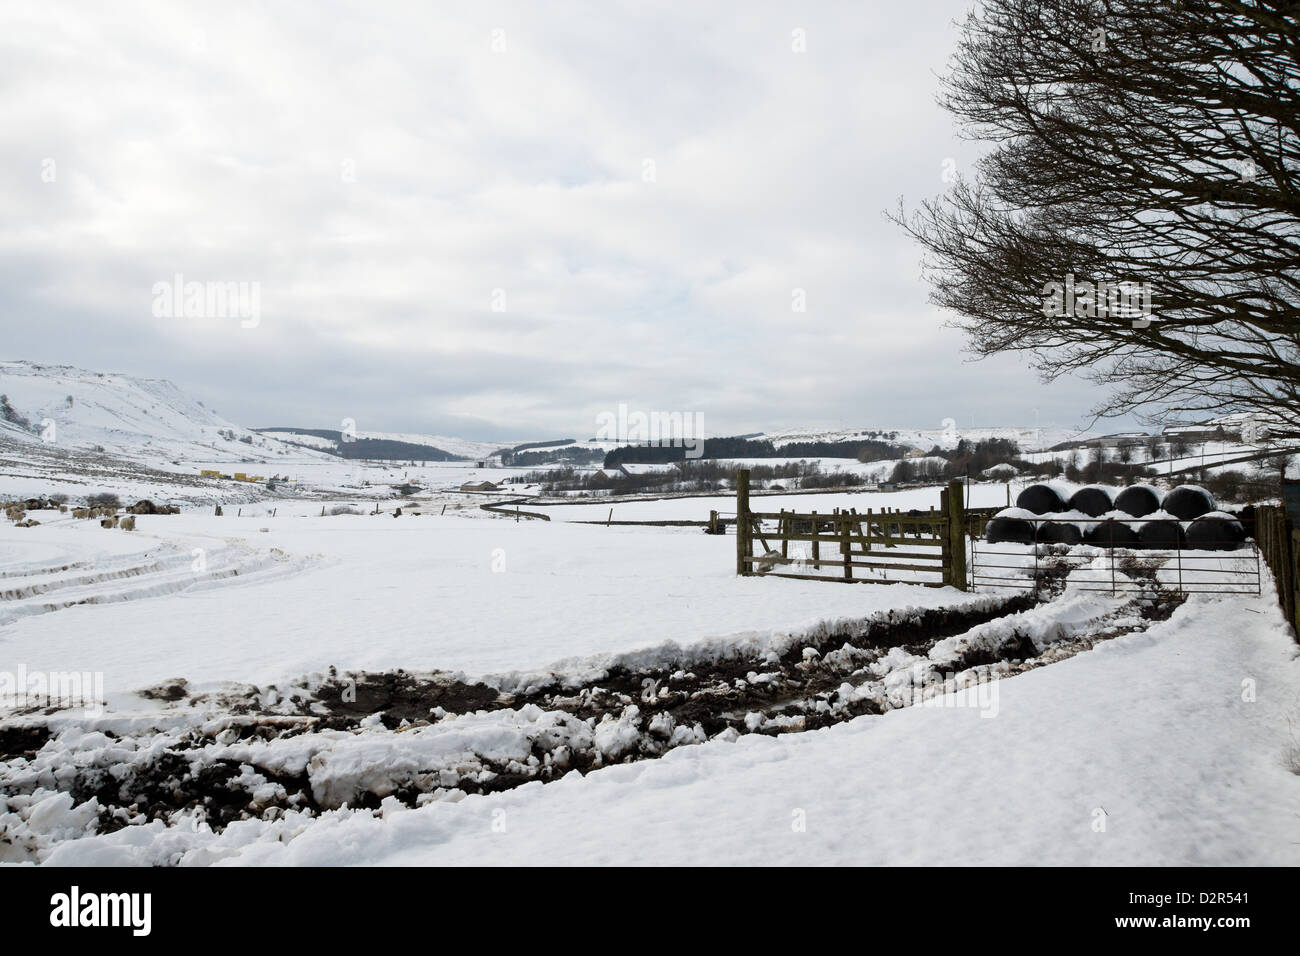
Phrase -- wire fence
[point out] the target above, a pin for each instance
(1044, 563)
(949, 546)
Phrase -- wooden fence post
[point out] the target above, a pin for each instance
(956, 510)
(1294, 575)
(845, 546)
(1286, 559)
(743, 543)
(946, 540)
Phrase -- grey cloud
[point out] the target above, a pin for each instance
(380, 172)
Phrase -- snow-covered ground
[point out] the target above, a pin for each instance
(554, 691)
(1161, 748)
(461, 591)
(1173, 736)
(985, 495)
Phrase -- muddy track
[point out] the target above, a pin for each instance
(564, 725)
(709, 694)
(503, 506)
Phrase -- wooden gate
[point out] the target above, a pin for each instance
(917, 547)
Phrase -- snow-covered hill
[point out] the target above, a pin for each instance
(303, 439)
(57, 410)
(1028, 438)
(136, 418)
(464, 447)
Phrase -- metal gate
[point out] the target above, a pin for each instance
(1046, 566)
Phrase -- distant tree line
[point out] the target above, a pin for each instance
(576, 456)
(384, 449)
(689, 476)
(731, 448)
(971, 458)
(1239, 486)
(389, 450)
(536, 444)
(547, 453)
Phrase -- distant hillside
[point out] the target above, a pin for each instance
(365, 445)
(137, 418)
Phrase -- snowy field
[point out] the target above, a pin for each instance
(809, 723)
(465, 591)
(697, 509)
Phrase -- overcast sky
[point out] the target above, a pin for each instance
(494, 220)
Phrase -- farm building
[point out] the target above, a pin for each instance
(1202, 431)
(637, 470)
(478, 486)
(1119, 440)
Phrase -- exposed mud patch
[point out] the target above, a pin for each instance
(696, 692)
(398, 696)
(22, 741)
(175, 689)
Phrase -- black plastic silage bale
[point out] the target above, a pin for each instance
(1188, 502)
(1092, 501)
(1216, 533)
(1014, 530)
(1112, 534)
(1059, 532)
(1041, 500)
(1162, 535)
(1138, 501)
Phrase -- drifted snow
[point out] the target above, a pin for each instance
(1151, 733)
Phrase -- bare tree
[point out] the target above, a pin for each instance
(1141, 147)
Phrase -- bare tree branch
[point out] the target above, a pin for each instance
(1134, 141)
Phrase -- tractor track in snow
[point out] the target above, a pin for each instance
(26, 591)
